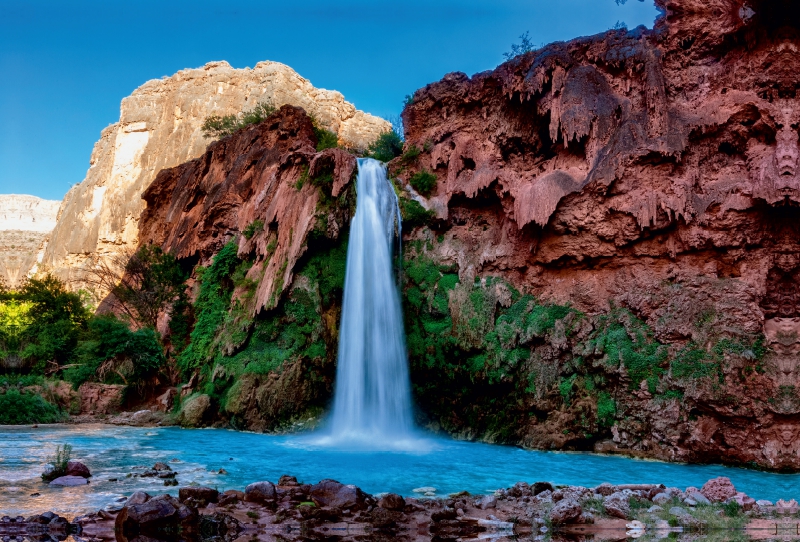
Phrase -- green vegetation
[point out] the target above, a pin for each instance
(387, 147)
(21, 407)
(252, 228)
(326, 139)
(423, 182)
(524, 46)
(217, 126)
(59, 461)
(414, 215)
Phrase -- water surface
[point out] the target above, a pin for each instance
(450, 466)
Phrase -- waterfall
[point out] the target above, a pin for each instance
(372, 400)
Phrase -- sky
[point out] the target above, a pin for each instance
(67, 65)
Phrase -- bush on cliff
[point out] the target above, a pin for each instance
(387, 147)
(423, 182)
(217, 126)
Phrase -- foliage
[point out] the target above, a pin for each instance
(251, 229)
(388, 146)
(60, 461)
(423, 182)
(113, 353)
(210, 307)
(23, 408)
(217, 126)
(524, 46)
(152, 283)
(606, 409)
(414, 214)
(56, 317)
(326, 139)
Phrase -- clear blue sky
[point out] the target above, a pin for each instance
(66, 65)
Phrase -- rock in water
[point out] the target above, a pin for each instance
(69, 481)
(76, 468)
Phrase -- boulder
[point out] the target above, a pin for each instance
(678, 511)
(747, 503)
(698, 497)
(231, 497)
(661, 498)
(616, 505)
(539, 487)
(198, 496)
(158, 516)
(69, 481)
(392, 501)
(332, 494)
(764, 503)
(288, 481)
(605, 489)
(76, 468)
(487, 502)
(718, 489)
(193, 410)
(161, 467)
(139, 497)
(565, 511)
(260, 492)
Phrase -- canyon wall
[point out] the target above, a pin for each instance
(607, 259)
(160, 127)
(25, 222)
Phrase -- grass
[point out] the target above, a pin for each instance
(60, 461)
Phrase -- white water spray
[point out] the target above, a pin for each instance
(372, 401)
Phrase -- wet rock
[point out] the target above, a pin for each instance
(616, 505)
(193, 410)
(392, 501)
(162, 514)
(69, 481)
(140, 497)
(565, 511)
(260, 492)
(160, 467)
(331, 493)
(718, 489)
(198, 496)
(539, 487)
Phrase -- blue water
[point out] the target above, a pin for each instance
(449, 466)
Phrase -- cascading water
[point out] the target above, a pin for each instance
(372, 401)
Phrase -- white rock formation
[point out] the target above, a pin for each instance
(25, 222)
(160, 127)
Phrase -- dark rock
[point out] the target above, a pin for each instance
(76, 468)
(198, 496)
(392, 501)
(287, 480)
(331, 493)
(539, 487)
(617, 505)
(140, 497)
(444, 515)
(161, 467)
(230, 497)
(260, 492)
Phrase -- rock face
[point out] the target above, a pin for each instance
(159, 127)
(25, 222)
(649, 180)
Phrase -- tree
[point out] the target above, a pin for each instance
(142, 285)
(525, 46)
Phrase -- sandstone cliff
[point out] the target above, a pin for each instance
(25, 222)
(159, 127)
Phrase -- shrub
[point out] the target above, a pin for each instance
(60, 462)
(423, 182)
(606, 410)
(23, 408)
(252, 228)
(414, 214)
(387, 147)
(524, 46)
(326, 139)
(217, 126)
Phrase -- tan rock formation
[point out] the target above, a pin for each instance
(160, 127)
(25, 222)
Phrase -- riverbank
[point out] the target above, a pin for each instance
(327, 509)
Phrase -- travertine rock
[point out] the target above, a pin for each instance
(25, 222)
(652, 170)
(159, 127)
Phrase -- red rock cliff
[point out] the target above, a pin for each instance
(651, 170)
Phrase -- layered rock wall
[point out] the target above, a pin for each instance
(638, 177)
(160, 127)
(25, 222)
